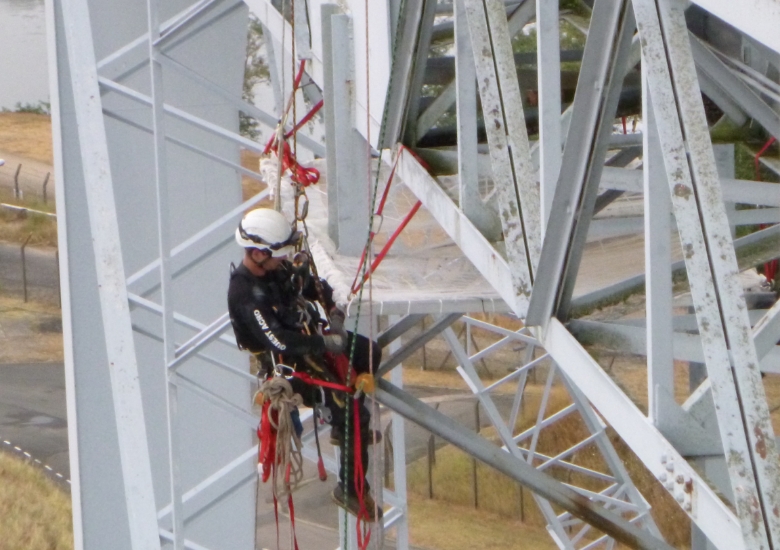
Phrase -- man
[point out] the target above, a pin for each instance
(272, 308)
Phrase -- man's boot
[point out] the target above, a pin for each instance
(351, 504)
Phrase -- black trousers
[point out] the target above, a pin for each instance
(341, 406)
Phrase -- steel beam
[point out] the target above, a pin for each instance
(548, 66)
(416, 343)
(595, 103)
(515, 468)
(732, 86)
(705, 235)
(399, 327)
(109, 269)
(455, 223)
(658, 262)
(470, 200)
(517, 20)
(401, 73)
(420, 60)
(166, 279)
(701, 504)
(518, 196)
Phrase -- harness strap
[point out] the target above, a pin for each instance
(332, 385)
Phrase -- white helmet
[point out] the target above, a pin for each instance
(265, 228)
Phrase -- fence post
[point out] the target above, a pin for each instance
(59, 289)
(474, 480)
(425, 359)
(24, 266)
(388, 447)
(522, 504)
(45, 183)
(16, 181)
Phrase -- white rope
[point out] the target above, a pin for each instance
(278, 392)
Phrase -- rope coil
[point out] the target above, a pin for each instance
(280, 445)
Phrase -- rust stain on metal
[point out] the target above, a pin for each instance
(688, 486)
(760, 441)
(683, 191)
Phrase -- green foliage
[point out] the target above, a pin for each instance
(255, 72)
(40, 108)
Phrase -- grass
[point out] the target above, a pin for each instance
(444, 526)
(16, 227)
(35, 514)
(497, 521)
(27, 135)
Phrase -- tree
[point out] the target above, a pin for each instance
(255, 72)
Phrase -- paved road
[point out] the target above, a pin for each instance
(32, 414)
(42, 272)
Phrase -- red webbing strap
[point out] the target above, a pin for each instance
(305, 119)
(292, 519)
(298, 77)
(364, 534)
(394, 236)
(267, 436)
(290, 504)
(332, 385)
(379, 211)
(388, 245)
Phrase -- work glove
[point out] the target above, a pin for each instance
(337, 319)
(335, 343)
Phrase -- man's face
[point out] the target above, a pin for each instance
(266, 262)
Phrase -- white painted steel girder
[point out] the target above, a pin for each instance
(141, 521)
(699, 501)
(499, 91)
(705, 235)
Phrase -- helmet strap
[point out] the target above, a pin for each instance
(261, 263)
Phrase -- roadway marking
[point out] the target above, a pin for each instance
(36, 461)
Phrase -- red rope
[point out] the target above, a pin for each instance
(770, 267)
(332, 385)
(763, 150)
(364, 534)
(307, 118)
(394, 236)
(388, 245)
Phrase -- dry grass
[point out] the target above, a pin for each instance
(25, 336)
(34, 513)
(444, 526)
(16, 227)
(27, 135)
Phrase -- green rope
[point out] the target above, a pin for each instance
(366, 263)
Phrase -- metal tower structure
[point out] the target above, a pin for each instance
(514, 162)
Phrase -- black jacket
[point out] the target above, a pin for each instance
(272, 312)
